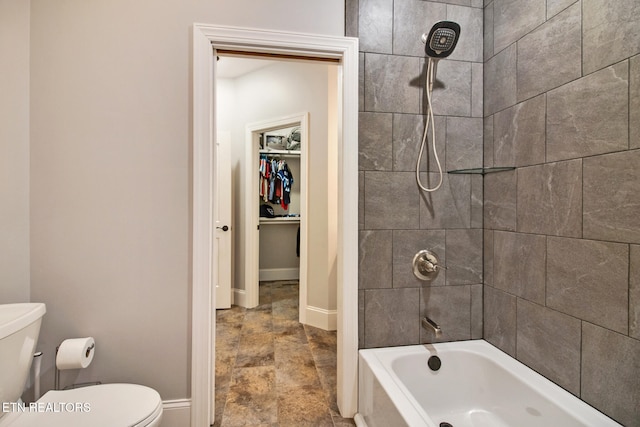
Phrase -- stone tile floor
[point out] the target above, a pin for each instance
(272, 370)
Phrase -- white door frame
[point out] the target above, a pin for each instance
(345, 50)
(251, 217)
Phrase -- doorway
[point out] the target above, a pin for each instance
(277, 221)
(204, 260)
(283, 114)
(268, 247)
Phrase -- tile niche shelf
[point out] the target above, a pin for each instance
(482, 171)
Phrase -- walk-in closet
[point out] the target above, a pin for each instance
(279, 197)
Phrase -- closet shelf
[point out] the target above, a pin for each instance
(281, 152)
(482, 171)
(282, 220)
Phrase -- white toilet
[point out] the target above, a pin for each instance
(105, 405)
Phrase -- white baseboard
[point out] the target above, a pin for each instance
(322, 318)
(359, 420)
(268, 274)
(176, 413)
(239, 297)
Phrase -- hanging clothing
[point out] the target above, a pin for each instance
(276, 180)
(265, 168)
(286, 179)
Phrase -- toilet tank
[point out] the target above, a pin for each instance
(19, 329)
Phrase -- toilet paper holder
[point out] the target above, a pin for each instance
(88, 352)
(56, 385)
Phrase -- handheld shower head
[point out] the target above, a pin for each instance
(441, 40)
(439, 43)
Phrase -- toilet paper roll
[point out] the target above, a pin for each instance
(76, 353)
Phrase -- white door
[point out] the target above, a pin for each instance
(223, 218)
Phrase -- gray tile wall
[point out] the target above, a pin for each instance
(544, 261)
(396, 218)
(562, 231)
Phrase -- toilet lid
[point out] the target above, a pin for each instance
(105, 405)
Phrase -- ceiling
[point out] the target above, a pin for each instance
(231, 67)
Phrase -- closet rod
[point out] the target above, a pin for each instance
(281, 155)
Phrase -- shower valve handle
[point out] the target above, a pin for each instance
(426, 265)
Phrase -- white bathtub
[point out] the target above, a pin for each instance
(477, 385)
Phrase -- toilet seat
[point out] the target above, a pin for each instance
(105, 405)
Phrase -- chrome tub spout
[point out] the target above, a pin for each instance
(431, 325)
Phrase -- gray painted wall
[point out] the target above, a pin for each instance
(562, 253)
(14, 151)
(396, 218)
(111, 176)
